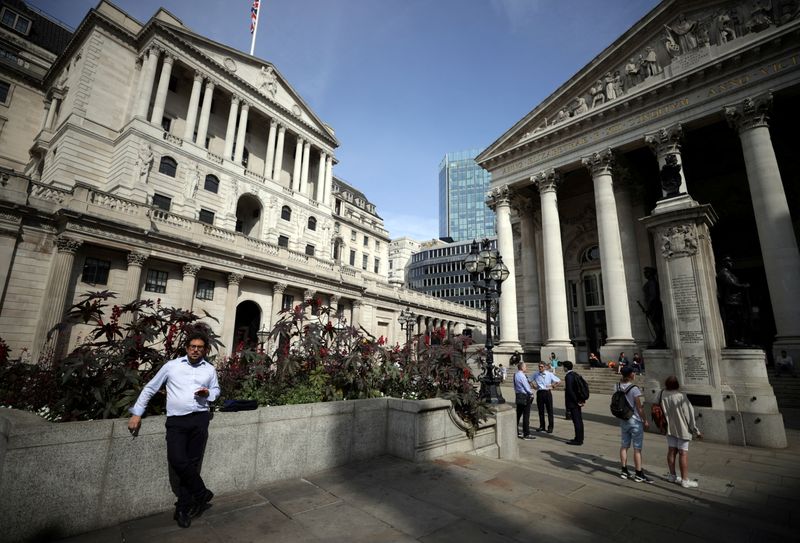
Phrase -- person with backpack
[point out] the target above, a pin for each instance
(681, 427)
(626, 404)
(576, 392)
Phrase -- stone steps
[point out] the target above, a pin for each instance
(786, 388)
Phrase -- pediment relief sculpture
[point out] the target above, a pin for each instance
(268, 81)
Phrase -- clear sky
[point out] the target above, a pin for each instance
(403, 82)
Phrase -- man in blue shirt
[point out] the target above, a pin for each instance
(545, 382)
(524, 396)
(191, 383)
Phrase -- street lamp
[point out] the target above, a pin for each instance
(487, 271)
(263, 336)
(408, 321)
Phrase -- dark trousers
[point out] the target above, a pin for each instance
(544, 400)
(577, 422)
(186, 444)
(524, 412)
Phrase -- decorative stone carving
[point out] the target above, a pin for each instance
(193, 182)
(547, 180)
(234, 278)
(632, 73)
(190, 270)
(684, 30)
(724, 26)
(144, 162)
(760, 16)
(598, 94)
(600, 162)
(308, 294)
(678, 241)
(581, 106)
(136, 259)
(670, 175)
(268, 81)
(665, 141)
(278, 288)
(750, 113)
(651, 65)
(499, 195)
(66, 244)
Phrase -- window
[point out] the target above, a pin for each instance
(312, 223)
(211, 184)
(245, 157)
(206, 216)
(377, 266)
(310, 250)
(283, 241)
(353, 235)
(168, 166)
(286, 213)
(364, 259)
(205, 289)
(166, 124)
(156, 281)
(5, 92)
(162, 202)
(95, 271)
(287, 301)
(377, 244)
(352, 258)
(366, 241)
(14, 20)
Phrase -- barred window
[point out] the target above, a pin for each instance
(162, 202)
(286, 213)
(310, 250)
(156, 281)
(211, 184)
(95, 271)
(283, 241)
(205, 289)
(206, 216)
(168, 166)
(312, 223)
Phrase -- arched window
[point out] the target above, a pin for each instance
(168, 166)
(211, 184)
(286, 213)
(592, 254)
(312, 223)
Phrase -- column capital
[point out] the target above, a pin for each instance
(66, 244)
(169, 57)
(235, 98)
(137, 259)
(190, 269)
(245, 105)
(357, 303)
(334, 300)
(499, 196)
(198, 76)
(210, 84)
(279, 288)
(750, 112)
(234, 278)
(599, 163)
(273, 122)
(308, 294)
(665, 141)
(547, 180)
(281, 128)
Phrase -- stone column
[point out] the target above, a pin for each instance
(319, 190)
(298, 160)
(276, 172)
(194, 102)
(230, 131)
(773, 219)
(277, 302)
(356, 321)
(615, 290)
(55, 296)
(163, 87)
(240, 137)
(326, 195)
(334, 304)
(666, 142)
(51, 114)
(136, 261)
(229, 320)
(308, 294)
(558, 340)
(530, 276)
(270, 160)
(205, 114)
(188, 285)
(499, 200)
(147, 78)
(306, 162)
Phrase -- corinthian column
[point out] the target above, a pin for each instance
(667, 142)
(618, 316)
(191, 112)
(304, 168)
(146, 80)
(270, 160)
(163, 87)
(356, 320)
(773, 219)
(530, 276)
(298, 161)
(189, 282)
(277, 302)
(239, 152)
(558, 340)
(229, 319)
(499, 199)
(230, 131)
(276, 172)
(205, 114)
(136, 261)
(319, 189)
(326, 195)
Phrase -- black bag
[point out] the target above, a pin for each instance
(239, 405)
(523, 398)
(620, 407)
(581, 388)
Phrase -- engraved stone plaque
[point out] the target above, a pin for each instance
(691, 337)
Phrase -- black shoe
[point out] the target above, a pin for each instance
(573, 442)
(549, 430)
(201, 503)
(528, 437)
(540, 429)
(183, 518)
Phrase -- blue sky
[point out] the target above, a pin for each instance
(405, 81)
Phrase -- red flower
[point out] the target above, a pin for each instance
(381, 340)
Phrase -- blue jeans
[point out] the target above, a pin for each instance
(632, 430)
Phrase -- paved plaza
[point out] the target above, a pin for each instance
(554, 491)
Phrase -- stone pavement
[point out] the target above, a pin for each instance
(555, 492)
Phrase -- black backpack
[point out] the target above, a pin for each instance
(581, 388)
(620, 407)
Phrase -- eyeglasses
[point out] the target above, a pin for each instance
(195, 347)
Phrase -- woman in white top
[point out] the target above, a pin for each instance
(681, 427)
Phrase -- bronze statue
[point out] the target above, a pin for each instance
(734, 305)
(653, 308)
(671, 176)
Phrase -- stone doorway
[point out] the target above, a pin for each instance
(247, 324)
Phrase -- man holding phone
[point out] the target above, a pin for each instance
(191, 383)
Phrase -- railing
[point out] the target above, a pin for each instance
(114, 203)
(262, 246)
(51, 194)
(288, 191)
(175, 140)
(254, 175)
(214, 158)
(159, 215)
(219, 233)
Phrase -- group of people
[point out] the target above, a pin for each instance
(637, 364)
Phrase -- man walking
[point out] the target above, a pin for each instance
(632, 429)
(524, 396)
(572, 403)
(545, 382)
(191, 384)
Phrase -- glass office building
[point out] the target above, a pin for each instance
(463, 214)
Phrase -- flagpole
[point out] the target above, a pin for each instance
(255, 31)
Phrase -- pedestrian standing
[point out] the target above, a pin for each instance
(632, 429)
(544, 382)
(681, 427)
(524, 398)
(573, 403)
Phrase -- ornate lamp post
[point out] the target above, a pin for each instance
(263, 336)
(487, 271)
(408, 321)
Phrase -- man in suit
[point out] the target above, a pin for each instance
(572, 403)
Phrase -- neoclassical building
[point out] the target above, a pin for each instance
(154, 162)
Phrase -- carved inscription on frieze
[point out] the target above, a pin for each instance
(695, 370)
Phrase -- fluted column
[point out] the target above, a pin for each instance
(667, 142)
(319, 190)
(136, 261)
(530, 276)
(191, 112)
(188, 285)
(615, 290)
(277, 302)
(230, 131)
(328, 180)
(270, 160)
(147, 78)
(205, 114)
(555, 285)
(229, 319)
(55, 296)
(163, 87)
(298, 161)
(276, 172)
(240, 137)
(773, 219)
(499, 200)
(304, 170)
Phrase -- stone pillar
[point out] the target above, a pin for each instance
(666, 142)
(499, 199)
(229, 320)
(308, 294)
(147, 78)
(51, 114)
(270, 160)
(326, 195)
(240, 137)
(298, 161)
(277, 302)
(55, 297)
(615, 290)
(334, 304)
(319, 190)
(188, 285)
(136, 261)
(163, 87)
(558, 340)
(276, 172)
(191, 112)
(356, 321)
(530, 277)
(304, 170)
(230, 131)
(773, 219)
(205, 114)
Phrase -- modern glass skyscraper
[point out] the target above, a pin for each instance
(463, 214)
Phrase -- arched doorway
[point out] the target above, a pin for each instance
(247, 323)
(593, 299)
(248, 216)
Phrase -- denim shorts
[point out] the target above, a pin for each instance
(632, 430)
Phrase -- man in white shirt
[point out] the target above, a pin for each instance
(191, 384)
(545, 382)
(784, 363)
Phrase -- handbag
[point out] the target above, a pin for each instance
(658, 416)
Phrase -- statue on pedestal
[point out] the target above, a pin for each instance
(653, 308)
(734, 305)
(671, 176)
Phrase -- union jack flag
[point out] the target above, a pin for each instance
(253, 15)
